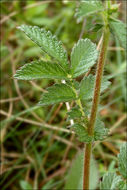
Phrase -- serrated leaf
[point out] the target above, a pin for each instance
(25, 185)
(83, 56)
(110, 181)
(75, 176)
(57, 93)
(100, 132)
(87, 86)
(39, 70)
(88, 7)
(118, 28)
(47, 42)
(122, 160)
(105, 83)
(82, 133)
(74, 113)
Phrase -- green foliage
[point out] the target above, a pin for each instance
(58, 17)
(47, 42)
(83, 56)
(122, 160)
(3, 51)
(122, 185)
(25, 185)
(47, 185)
(82, 133)
(74, 113)
(104, 84)
(118, 28)
(96, 27)
(39, 70)
(87, 86)
(110, 181)
(75, 176)
(114, 7)
(58, 93)
(87, 8)
(100, 132)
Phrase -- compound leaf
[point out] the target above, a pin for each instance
(82, 133)
(83, 56)
(110, 181)
(122, 160)
(118, 28)
(47, 42)
(39, 70)
(87, 86)
(88, 7)
(56, 94)
(75, 176)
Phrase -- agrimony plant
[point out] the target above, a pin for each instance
(83, 56)
(87, 123)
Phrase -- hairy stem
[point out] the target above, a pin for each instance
(99, 74)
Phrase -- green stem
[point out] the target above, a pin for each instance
(78, 102)
(82, 111)
(99, 74)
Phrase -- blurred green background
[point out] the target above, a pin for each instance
(33, 153)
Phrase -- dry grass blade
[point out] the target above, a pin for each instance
(39, 124)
